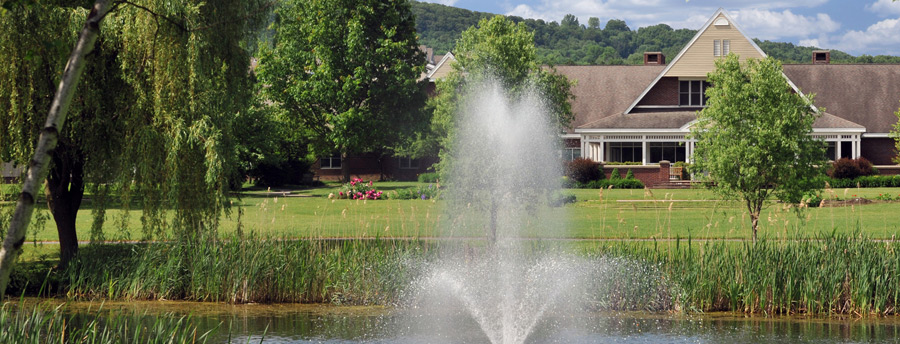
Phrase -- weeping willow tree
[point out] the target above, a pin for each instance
(151, 120)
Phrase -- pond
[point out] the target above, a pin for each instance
(292, 323)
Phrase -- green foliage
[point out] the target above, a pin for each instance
(895, 133)
(864, 182)
(429, 177)
(153, 118)
(753, 137)
(346, 71)
(836, 274)
(494, 49)
(419, 192)
(44, 324)
(615, 174)
(248, 269)
(559, 198)
(623, 163)
(568, 43)
(584, 170)
(615, 183)
(629, 174)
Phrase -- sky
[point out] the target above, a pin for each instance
(854, 26)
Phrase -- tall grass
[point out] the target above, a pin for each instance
(829, 274)
(42, 325)
(835, 274)
(247, 270)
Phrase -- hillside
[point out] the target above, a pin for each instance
(572, 42)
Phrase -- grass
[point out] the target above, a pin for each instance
(833, 274)
(47, 325)
(598, 214)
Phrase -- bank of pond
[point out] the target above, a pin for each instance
(829, 274)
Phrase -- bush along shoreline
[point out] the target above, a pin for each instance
(836, 274)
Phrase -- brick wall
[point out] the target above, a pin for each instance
(665, 92)
(374, 167)
(650, 175)
(879, 151)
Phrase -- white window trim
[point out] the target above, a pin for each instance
(717, 48)
(330, 162)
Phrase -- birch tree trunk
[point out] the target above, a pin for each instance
(39, 165)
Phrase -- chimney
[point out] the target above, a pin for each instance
(654, 58)
(821, 57)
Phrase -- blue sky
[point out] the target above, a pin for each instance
(855, 26)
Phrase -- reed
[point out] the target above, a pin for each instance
(834, 274)
(40, 324)
(240, 270)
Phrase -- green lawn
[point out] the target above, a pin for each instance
(614, 213)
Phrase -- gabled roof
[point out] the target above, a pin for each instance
(720, 17)
(866, 94)
(603, 91)
(442, 68)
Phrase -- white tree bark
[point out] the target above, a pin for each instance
(40, 164)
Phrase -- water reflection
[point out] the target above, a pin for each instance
(332, 324)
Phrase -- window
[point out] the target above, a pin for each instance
(570, 154)
(671, 151)
(717, 50)
(330, 162)
(831, 150)
(408, 163)
(692, 92)
(726, 47)
(625, 152)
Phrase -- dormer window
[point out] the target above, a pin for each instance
(692, 92)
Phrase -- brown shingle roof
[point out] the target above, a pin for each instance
(603, 91)
(644, 120)
(829, 121)
(864, 94)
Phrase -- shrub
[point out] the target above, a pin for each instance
(618, 183)
(420, 192)
(559, 199)
(845, 168)
(273, 175)
(566, 183)
(629, 174)
(865, 182)
(584, 170)
(615, 174)
(430, 177)
(358, 189)
(623, 163)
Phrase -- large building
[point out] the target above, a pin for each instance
(642, 114)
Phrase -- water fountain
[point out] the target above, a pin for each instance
(505, 169)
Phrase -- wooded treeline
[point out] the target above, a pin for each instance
(576, 41)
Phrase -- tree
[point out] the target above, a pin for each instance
(593, 23)
(753, 138)
(38, 39)
(895, 133)
(153, 115)
(495, 52)
(495, 48)
(347, 71)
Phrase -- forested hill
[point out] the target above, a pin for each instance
(573, 42)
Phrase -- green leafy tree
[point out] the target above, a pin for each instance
(347, 71)
(499, 49)
(152, 117)
(895, 133)
(753, 137)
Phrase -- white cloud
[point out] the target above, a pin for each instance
(884, 7)
(879, 38)
(442, 2)
(774, 25)
(760, 19)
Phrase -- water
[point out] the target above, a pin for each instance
(292, 323)
(504, 168)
